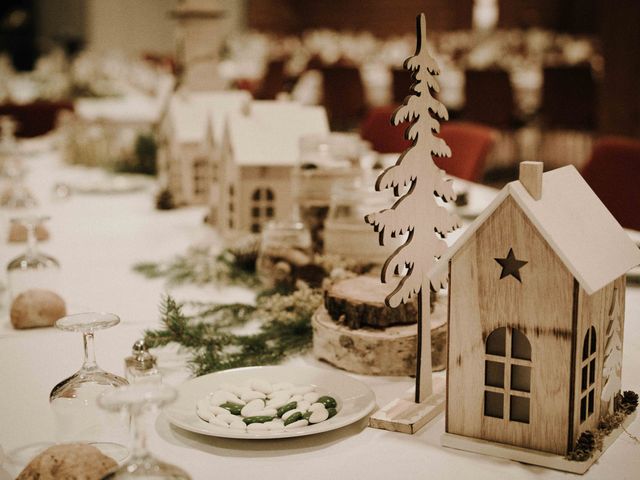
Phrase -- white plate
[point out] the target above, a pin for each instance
(355, 399)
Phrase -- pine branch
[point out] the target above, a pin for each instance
(200, 266)
(285, 329)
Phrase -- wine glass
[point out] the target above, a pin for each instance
(74, 399)
(33, 279)
(14, 194)
(139, 399)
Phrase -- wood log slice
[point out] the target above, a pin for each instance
(359, 301)
(374, 351)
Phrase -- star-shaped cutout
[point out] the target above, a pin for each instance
(511, 266)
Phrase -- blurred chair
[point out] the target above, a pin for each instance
(613, 172)
(381, 133)
(273, 81)
(568, 98)
(470, 145)
(568, 115)
(489, 98)
(401, 84)
(343, 96)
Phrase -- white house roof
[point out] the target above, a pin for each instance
(219, 105)
(574, 222)
(193, 112)
(269, 134)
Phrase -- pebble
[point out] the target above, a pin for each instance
(252, 395)
(290, 412)
(250, 409)
(216, 421)
(298, 424)
(238, 425)
(257, 426)
(227, 417)
(319, 415)
(222, 396)
(262, 386)
(266, 412)
(311, 397)
(277, 402)
(219, 410)
(315, 406)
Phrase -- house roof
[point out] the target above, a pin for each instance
(270, 133)
(193, 112)
(574, 222)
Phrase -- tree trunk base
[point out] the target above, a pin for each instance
(360, 302)
(387, 351)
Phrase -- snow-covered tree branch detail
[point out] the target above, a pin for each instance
(611, 371)
(419, 183)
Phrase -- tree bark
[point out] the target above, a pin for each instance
(360, 301)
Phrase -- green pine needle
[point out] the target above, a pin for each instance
(285, 329)
(200, 266)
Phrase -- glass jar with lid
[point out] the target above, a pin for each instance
(346, 233)
(324, 161)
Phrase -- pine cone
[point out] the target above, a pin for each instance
(629, 401)
(586, 442)
(164, 200)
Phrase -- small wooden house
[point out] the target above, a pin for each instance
(190, 142)
(260, 150)
(536, 316)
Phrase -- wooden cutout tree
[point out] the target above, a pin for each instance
(612, 356)
(417, 214)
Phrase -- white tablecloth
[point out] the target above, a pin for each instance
(97, 239)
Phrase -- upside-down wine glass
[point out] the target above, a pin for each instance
(34, 277)
(74, 399)
(139, 399)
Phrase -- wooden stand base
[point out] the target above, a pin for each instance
(406, 416)
(532, 457)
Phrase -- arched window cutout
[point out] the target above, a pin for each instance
(520, 346)
(507, 376)
(588, 375)
(496, 342)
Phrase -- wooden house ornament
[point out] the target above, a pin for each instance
(260, 150)
(191, 134)
(536, 321)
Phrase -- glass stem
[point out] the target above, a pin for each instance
(89, 351)
(139, 433)
(32, 240)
